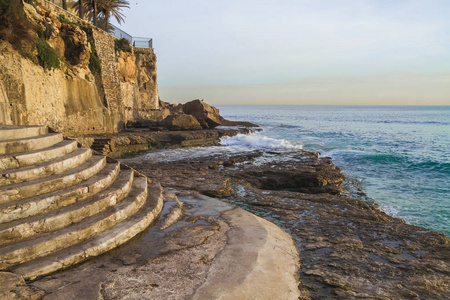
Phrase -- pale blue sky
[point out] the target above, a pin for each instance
(298, 52)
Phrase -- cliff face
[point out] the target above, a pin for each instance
(76, 98)
(138, 84)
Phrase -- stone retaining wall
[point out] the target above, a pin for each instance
(104, 46)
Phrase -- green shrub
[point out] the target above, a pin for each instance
(94, 62)
(63, 19)
(48, 57)
(122, 45)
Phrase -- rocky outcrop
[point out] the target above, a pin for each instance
(19, 24)
(207, 115)
(95, 89)
(76, 47)
(316, 175)
(182, 122)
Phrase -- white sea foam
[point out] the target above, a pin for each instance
(258, 141)
(229, 145)
(390, 210)
(177, 154)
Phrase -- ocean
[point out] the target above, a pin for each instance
(397, 156)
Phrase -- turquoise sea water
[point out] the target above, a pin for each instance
(399, 156)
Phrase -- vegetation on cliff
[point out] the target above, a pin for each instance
(100, 11)
(55, 42)
(48, 57)
(17, 27)
(122, 45)
(94, 62)
(48, 40)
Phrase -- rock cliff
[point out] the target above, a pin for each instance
(58, 70)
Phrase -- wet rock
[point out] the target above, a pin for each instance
(348, 248)
(137, 140)
(182, 122)
(303, 172)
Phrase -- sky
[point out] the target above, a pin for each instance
(298, 52)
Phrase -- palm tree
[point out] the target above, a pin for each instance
(114, 8)
(80, 9)
(89, 7)
(100, 11)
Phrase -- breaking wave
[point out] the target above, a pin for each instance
(228, 146)
(258, 141)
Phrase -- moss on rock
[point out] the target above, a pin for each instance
(48, 57)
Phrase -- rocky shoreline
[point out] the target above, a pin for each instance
(348, 248)
(139, 140)
(193, 124)
(275, 224)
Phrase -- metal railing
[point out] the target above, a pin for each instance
(139, 42)
(120, 34)
(142, 42)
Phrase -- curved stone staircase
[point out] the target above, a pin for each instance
(60, 204)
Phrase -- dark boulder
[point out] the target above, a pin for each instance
(207, 115)
(182, 122)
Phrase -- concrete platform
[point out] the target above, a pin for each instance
(213, 251)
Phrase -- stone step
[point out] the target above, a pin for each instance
(99, 244)
(17, 132)
(29, 144)
(46, 222)
(54, 182)
(43, 203)
(45, 169)
(46, 244)
(38, 156)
